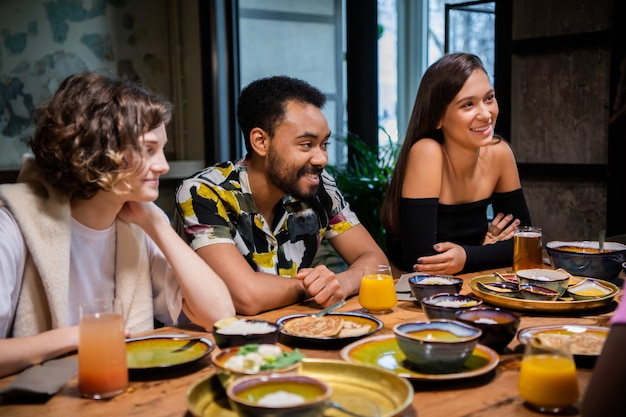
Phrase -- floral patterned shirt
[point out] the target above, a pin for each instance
(216, 206)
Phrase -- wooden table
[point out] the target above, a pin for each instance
(493, 394)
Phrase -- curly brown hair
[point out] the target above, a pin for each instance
(87, 135)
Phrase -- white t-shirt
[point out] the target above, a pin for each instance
(92, 272)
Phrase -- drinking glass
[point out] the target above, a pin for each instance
(102, 368)
(547, 378)
(378, 292)
(527, 248)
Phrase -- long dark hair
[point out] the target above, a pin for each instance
(440, 84)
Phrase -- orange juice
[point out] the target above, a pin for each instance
(378, 293)
(102, 368)
(548, 381)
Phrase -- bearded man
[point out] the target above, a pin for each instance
(258, 222)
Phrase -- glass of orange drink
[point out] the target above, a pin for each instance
(547, 378)
(378, 292)
(102, 367)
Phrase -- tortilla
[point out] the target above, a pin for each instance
(352, 329)
(310, 326)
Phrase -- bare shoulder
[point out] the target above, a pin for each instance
(426, 150)
(500, 152)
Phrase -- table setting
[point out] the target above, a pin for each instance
(176, 371)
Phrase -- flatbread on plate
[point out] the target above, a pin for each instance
(310, 326)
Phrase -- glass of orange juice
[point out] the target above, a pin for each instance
(378, 292)
(547, 378)
(102, 368)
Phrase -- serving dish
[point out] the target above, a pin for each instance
(165, 351)
(584, 351)
(561, 305)
(355, 387)
(383, 352)
(330, 342)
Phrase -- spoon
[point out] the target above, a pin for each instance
(331, 308)
(601, 240)
(339, 407)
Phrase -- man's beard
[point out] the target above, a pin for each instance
(279, 173)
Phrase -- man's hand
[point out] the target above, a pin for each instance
(322, 284)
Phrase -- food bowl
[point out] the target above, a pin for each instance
(425, 285)
(238, 332)
(583, 258)
(498, 326)
(538, 293)
(278, 395)
(254, 359)
(547, 278)
(504, 289)
(437, 346)
(444, 306)
(588, 289)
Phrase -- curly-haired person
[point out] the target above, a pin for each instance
(81, 224)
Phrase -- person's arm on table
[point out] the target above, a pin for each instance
(252, 292)
(358, 249)
(22, 352)
(206, 298)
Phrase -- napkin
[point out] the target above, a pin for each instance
(42, 380)
(403, 290)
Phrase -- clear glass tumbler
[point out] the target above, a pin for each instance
(102, 367)
(547, 378)
(378, 292)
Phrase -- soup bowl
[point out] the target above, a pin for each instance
(238, 332)
(278, 395)
(425, 285)
(499, 326)
(583, 258)
(437, 346)
(445, 306)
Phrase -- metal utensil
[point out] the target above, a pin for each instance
(331, 308)
(333, 404)
(188, 345)
(601, 240)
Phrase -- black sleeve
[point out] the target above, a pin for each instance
(499, 254)
(513, 203)
(418, 224)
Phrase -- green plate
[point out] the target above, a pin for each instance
(158, 351)
(356, 387)
(563, 304)
(383, 352)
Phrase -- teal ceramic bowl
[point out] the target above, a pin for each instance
(437, 346)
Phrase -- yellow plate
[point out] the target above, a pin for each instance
(563, 304)
(354, 386)
(158, 352)
(383, 352)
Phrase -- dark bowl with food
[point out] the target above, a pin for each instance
(238, 332)
(583, 258)
(445, 306)
(499, 326)
(425, 285)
